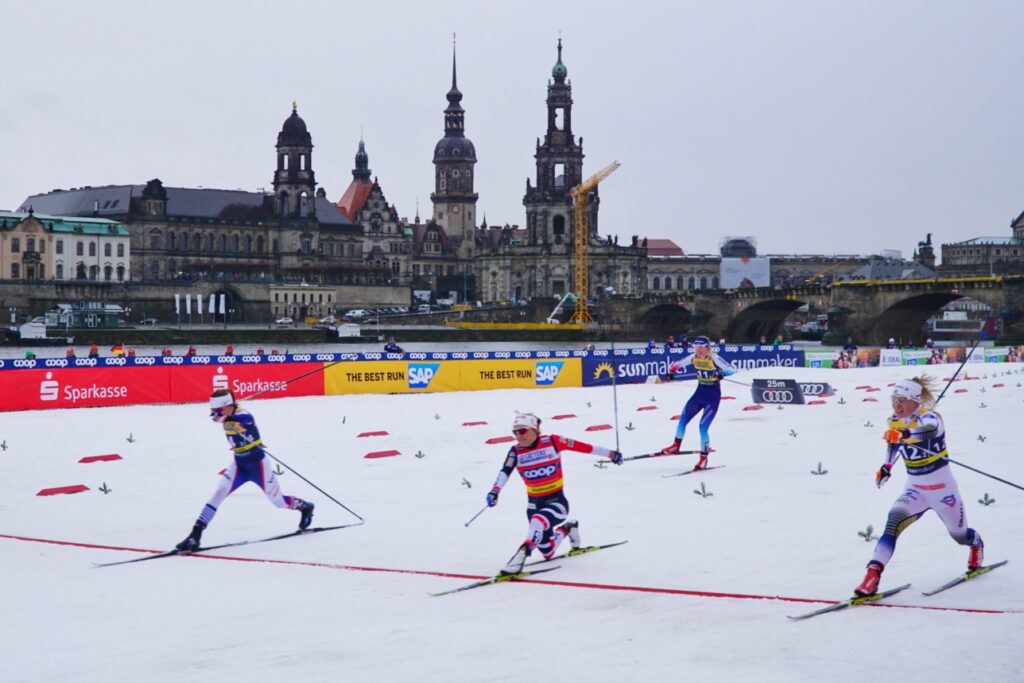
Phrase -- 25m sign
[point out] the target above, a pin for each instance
(778, 391)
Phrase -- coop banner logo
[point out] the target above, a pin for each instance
(420, 374)
(547, 373)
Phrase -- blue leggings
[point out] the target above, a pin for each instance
(705, 400)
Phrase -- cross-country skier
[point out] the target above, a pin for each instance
(916, 433)
(710, 369)
(539, 461)
(250, 464)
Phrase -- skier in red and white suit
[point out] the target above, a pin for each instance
(539, 461)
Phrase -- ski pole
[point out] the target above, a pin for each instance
(293, 379)
(726, 379)
(973, 469)
(990, 476)
(279, 461)
(477, 515)
(966, 358)
(615, 398)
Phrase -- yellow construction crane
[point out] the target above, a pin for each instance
(581, 253)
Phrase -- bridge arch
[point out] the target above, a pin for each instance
(905, 320)
(672, 318)
(761, 319)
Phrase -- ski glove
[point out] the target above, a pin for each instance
(896, 436)
(615, 457)
(492, 497)
(882, 475)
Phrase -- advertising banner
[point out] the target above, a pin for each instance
(917, 357)
(890, 357)
(520, 374)
(82, 388)
(391, 377)
(632, 366)
(819, 359)
(746, 272)
(196, 382)
(781, 391)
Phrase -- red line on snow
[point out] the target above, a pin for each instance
(544, 582)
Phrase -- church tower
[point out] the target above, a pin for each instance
(294, 183)
(549, 206)
(454, 157)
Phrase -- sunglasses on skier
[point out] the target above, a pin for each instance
(520, 430)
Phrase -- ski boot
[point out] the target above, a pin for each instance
(671, 449)
(306, 508)
(571, 529)
(977, 557)
(192, 541)
(702, 463)
(869, 586)
(516, 562)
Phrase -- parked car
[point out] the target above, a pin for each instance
(357, 314)
(149, 321)
(423, 308)
(284, 322)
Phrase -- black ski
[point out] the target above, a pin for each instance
(966, 576)
(852, 602)
(696, 469)
(576, 551)
(500, 578)
(172, 553)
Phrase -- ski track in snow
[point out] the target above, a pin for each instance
(702, 588)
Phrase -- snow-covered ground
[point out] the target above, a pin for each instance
(690, 597)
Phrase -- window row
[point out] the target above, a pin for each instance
(691, 283)
(37, 271)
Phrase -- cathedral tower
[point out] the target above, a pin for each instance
(454, 157)
(549, 206)
(294, 183)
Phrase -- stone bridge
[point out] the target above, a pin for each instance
(869, 311)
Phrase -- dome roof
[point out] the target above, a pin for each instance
(738, 247)
(294, 132)
(454, 149)
(558, 71)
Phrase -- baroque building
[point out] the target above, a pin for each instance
(41, 247)
(986, 256)
(292, 233)
(538, 261)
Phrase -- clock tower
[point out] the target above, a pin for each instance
(454, 158)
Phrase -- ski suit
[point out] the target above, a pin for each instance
(707, 396)
(540, 466)
(930, 483)
(250, 464)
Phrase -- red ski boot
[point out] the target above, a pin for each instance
(671, 449)
(977, 557)
(869, 586)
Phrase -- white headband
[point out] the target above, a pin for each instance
(221, 401)
(526, 420)
(906, 388)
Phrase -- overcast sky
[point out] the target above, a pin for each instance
(815, 127)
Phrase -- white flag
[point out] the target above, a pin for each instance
(223, 304)
(177, 304)
(213, 305)
(199, 304)
(188, 305)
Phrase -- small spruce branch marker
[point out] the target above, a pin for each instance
(703, 493)
(867, 534)
(465, 482)
(630, 427)
(819, 470)
(105, 489)
(792, 433)
(986, 501)
(278, 471)
(420, 454)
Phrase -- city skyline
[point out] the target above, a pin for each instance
(813, 129)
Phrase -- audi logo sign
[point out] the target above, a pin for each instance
(815, 389)
(777, 391)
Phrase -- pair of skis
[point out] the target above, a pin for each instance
(172, 553)
(875, 597)
(677, 474)
(504, 578)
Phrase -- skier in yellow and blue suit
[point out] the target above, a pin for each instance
(710, 369)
